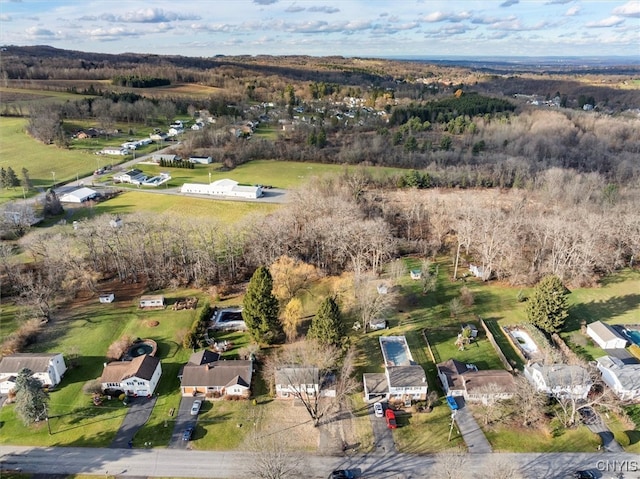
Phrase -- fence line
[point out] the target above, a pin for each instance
(493, 342)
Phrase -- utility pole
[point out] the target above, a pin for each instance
(453, 417)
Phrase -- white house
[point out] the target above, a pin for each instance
(131, 176)
(402, 380)
(623, 379)
(559, 380)
(297, 381)
(79, 196)
(48, 368)
(152, 301)
(114, 151)
(606, 336)
(138, 377)
(226, 188)
(159, 157)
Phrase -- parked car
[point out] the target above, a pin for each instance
(342, 474)
(584, 475)
(378, 410)
(391, 419)
(195, 409)
(186, 435)
(588, 416)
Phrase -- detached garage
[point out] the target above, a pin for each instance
(606, 336)
(79, 196)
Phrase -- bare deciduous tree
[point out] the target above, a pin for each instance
(273, 457)
(451, 465)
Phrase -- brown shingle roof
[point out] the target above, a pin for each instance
(504, 381)
(203, 357)
(218, 374)
(142, 367)
(453, 369)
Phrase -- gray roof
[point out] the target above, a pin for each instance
(406, 376)
(295, 376)
(218, 374)
(604, 331)
(562, 375)
(35, 362)
(203, 357)
(628, 374)
(375, 383)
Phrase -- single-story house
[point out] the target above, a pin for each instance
(174, 131)
(460, 379)
(114, 151)
(218, 378)
(138, 377)
(226, 187)
(606, 336)
(198, 125)
(152, 301)
(158, 136)
(107, 298)
(130, 176)
(88, 133)
(377, 324)
(559, 380)
(203, 160)
(623, 379)
(302, 381)
(48, 368)
(79, 196)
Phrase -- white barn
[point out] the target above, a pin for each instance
(225, 188)
(152, 301)
(79, 196)
(203, 160)
(606, 336)
(48, 368)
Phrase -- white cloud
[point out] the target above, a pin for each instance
(147, 15)
(629, 9)
(606, 22)
(39, 32)
(324, 9)
(293, 8)
(5, 18)
(508, 3)
(446, 17)
(573, 11)
(265, 2)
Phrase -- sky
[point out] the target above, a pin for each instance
(351, 28)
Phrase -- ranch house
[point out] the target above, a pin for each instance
(48, 368)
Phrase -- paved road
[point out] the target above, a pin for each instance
(237, 464)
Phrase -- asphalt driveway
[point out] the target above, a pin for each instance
(383, 436)
(183, 419)
(473, 436)
(137, 415)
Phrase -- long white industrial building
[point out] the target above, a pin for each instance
(226, 187)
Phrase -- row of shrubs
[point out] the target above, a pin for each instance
(195, 337)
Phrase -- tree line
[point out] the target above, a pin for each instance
(136, 81)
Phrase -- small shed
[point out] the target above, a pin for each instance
(107, 298)
(416, 274)
(606, 336)
(152, 301)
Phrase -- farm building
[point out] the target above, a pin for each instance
(48, 368)
(138, 377)
(606, 336)
(152, 301)
(79, 196)
(158, 158)
(226, 187)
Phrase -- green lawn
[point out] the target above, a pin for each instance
(140, 201)
(513, 439)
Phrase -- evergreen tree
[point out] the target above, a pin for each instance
(260, 307)
(547, 307)
(326, 327)
(3, 177)
(52, 205)
(31, 400)
(321, 140)
(12, 179)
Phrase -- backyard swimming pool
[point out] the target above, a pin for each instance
(634, 336)
(395, 351)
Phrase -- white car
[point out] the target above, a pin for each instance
(378, 410)
(195, 409)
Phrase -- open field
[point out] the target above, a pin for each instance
(22, 98)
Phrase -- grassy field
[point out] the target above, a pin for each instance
(139, 201)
